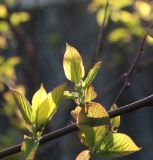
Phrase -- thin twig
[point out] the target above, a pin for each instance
(148, 101)
(101, 33)
(127, 75)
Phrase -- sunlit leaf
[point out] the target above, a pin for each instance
(84, 155)
(149, 40)
(55, 97)
(101, 15)
(42, 117)
(90, 94)
(3, 11)
(119, 34)
(128, 19)
(39, 97)
(117, 145)
(121, 4)
(4, 26)
(13, 61)
(24, 105)
(94, 124)
(44, 106)
(115, 122)
(73, 65)
(87, 135)
(29, 148)
(143, 8)
(91, 75)
(19, 17)
(96, 4)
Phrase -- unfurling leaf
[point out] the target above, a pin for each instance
(44, 106)
(75, 112)
(42, 115)
(71, 95)
(87, 135)
(40, 108)
(39, 97)
(73, 65)
(84, 155)
(29, 148)
(94, 124)
(55, 97)
(91, 75)
(117, 145)
(90, 94)
(115, 121)
(24, 106)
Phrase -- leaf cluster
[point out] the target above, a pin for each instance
(97, 131)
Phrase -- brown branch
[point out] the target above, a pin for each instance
(126, 76)
(145, 102)
(101, 33)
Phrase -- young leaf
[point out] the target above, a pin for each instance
(84, 155)
(39, 97)
(47, 105)
(73, 65)
(117, 145)
(87, 135)
(91, 75)
(115, 122)
(55, 97)
(24, 105)
(42, 115)
(90, 94)
(94, 124)
(70, 95)
(29, 148)
(93, 114)
(75, 112)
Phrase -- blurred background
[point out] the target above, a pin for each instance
(33, 34)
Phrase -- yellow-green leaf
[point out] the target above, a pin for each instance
(55, 97)
(42, 117)
(29, 148)
(39, 97)
(19, 17)
(70, 95)
(4, 12)
(93, 114)
(87, 135)
(73, 65)
(84, 155)
(90, 94)
(91, 75)
(117, 145)
(115, 122)
(94, 124)
(23, 104)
